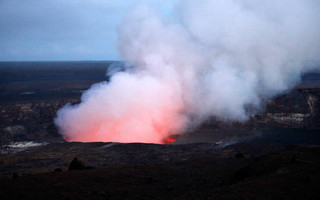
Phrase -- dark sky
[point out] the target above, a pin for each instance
(61, 29)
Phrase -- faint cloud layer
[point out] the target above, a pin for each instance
(61, 29)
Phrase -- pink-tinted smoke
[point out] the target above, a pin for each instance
(210, 58)
(131, 108)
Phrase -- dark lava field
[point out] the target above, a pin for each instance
(274, 155)
(149, 171)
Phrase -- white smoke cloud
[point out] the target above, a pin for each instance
(217, 58)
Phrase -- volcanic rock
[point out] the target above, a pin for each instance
(193, 171)
(78, 165)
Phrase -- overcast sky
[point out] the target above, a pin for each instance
(36, 30)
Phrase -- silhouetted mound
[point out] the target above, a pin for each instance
(78, 165)
(239, 155)
(58, 169)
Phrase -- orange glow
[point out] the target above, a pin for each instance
(171, 139)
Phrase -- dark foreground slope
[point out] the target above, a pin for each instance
(146, 171)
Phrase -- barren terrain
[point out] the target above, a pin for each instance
(274, 155)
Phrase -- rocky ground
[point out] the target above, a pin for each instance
(33, 120)
(30, 121)
(150, 171)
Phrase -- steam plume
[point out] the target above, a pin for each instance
(216, 58)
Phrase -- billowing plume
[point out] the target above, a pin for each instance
(210, 58)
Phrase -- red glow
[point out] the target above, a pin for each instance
(130, 109)
(171, 139)
(139, 123)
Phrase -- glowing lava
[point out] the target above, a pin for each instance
(171, 139)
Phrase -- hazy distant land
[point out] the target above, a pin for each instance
(31, 81)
